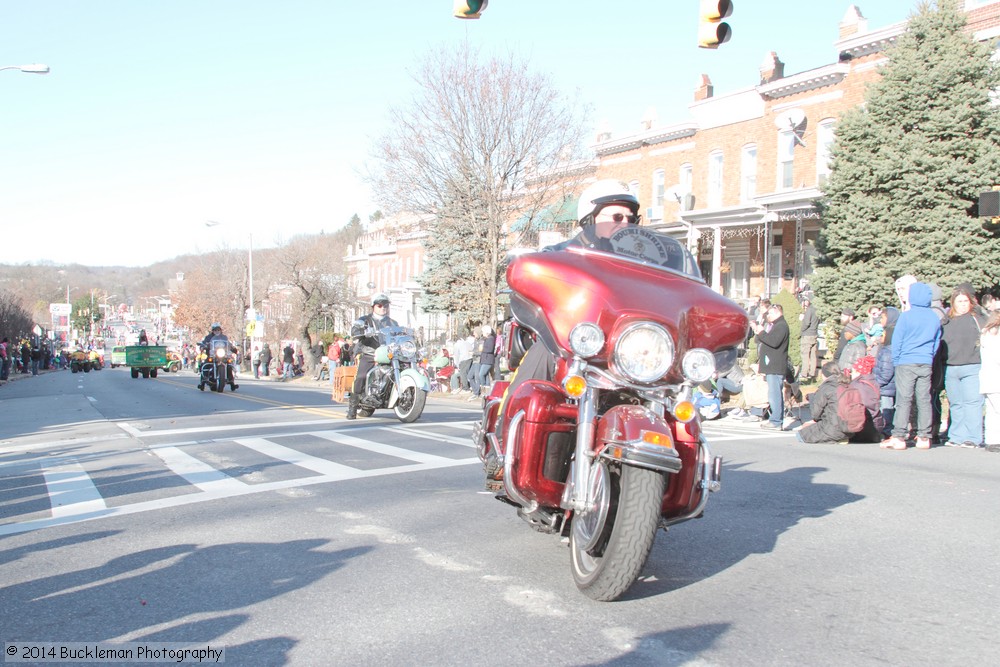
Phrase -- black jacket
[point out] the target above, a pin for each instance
(773, 349)
(364, 344)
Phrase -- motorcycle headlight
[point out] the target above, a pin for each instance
(408, 349)
(220, 352)
(644, 352)
(586, 339)
(698, 365)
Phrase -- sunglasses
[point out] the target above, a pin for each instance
(619, 218)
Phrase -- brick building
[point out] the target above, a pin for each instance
(388, 258)
(739, 180)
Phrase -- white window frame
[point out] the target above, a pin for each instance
(633, 186)
(659, 187)
(786, 160)
(716, 167)
(748, 172)
(685, 176)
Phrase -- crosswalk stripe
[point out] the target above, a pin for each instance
(71, 491)
(437, 437)
(197, 472)
(379, 448)
(295, 457)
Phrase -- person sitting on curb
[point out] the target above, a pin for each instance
(864, 381)
(826, 425)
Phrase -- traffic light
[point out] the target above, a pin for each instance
(712, 31)
(469, 9)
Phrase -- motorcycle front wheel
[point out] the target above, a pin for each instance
(410, 404)
(610, 544)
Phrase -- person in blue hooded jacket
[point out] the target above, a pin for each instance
(914, 344)
(885, 372)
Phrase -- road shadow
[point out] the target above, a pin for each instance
(17, 553)
(156, 587)
(753, 509)
(680, 646)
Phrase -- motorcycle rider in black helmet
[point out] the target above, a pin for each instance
(365, 344)
(205, 345)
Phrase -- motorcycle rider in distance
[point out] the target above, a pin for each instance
(604, 208)
(366, 341)
(205, 345)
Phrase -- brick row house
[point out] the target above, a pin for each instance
(738, 180)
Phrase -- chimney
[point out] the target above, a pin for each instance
(853, 23)
(704, 89)
(771, 69)
(648, 119)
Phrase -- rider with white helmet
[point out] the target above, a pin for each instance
(365, 345)
(604, 207)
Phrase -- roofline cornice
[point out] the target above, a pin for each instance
(820, 77)
(871, 42)
(647, 138)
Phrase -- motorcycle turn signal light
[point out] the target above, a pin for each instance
(654, 438)
(574, 385)
(684, 411)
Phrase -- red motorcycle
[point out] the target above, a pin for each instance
(610, 448)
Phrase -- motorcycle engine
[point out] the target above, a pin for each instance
(379, 381)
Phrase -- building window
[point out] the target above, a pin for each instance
(659, 187)
(748, 173)
(786, 159)
(685, 176)
(715, 179)
(824, 141)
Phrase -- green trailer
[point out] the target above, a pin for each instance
(145, 360)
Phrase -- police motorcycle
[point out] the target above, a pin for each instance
(395, 380)
(610, 449)
(218, 361)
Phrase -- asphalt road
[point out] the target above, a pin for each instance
(261, 520)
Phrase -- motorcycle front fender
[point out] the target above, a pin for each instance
(634, 435)
(408, 377)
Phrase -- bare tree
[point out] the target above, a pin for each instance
(313, 268)
(215, 290)
(15, 320)
(473, 149)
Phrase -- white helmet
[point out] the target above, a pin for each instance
(379, 298)
(603, 193)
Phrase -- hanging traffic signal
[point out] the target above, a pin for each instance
(712, 30)
(469, 9)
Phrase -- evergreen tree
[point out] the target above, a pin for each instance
(908, 167)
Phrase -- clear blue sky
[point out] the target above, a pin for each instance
(160, 115)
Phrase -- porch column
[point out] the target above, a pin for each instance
(717, 259)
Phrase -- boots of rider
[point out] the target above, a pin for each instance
(352, 406)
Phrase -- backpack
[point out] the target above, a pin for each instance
(851, 409)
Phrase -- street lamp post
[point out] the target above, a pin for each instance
(28, 69)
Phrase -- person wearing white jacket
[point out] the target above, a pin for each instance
(989, 380)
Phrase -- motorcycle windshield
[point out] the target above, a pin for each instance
(636, 275)
(219, 342)
(388, 334)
